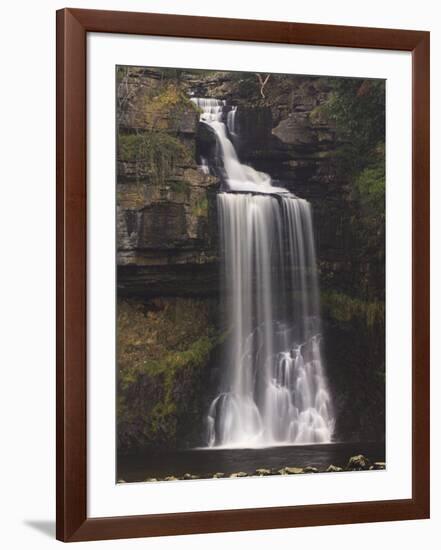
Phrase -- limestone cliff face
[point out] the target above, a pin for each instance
(167, 264)
(166, 216)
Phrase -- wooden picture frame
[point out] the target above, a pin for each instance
(73, 523)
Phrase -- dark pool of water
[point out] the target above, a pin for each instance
(141, 466)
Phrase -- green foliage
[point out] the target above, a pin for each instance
(163, 347)
(179, 186)
(357, 109)
(121, 72)
(171, 100)
(369, 187)
(200, 208)
(162, 419)
(159, 151)
(193, 357)
(165, 106)
(344, 308)
(161, 109)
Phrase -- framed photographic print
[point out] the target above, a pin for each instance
(242, 274)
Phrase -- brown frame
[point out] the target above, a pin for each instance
(72, 28)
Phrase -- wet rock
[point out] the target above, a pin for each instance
(239, 474)
(358, 463)
(170, 478)
(151, 479)
(219, 475)
(254, 125)
(378, 466)
(293, 470)
(295, 130)
(187, 476)
(206, 141)
(263, 472)
(332, 468)
(310, 470)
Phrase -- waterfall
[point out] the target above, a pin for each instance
(274, 389)
(231, 120)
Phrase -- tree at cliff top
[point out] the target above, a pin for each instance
(357, 107)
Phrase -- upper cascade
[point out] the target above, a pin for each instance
(239, 177)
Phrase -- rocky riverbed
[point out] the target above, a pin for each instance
(354, 464)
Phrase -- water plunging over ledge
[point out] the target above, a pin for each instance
(274, 389)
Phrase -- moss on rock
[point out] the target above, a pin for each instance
(158, 152)
(164, 347)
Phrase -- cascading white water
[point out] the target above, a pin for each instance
(274, 390)
(240, 177)
(231, 120)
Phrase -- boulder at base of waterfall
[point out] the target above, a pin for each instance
(263, 472)
(293, 470)
(239, 474)
(358, 462)
(378, 466)
(187, 476)
(219, 475)
(310, 470)
(332, 468)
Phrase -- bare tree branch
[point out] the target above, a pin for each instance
(262, 83)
